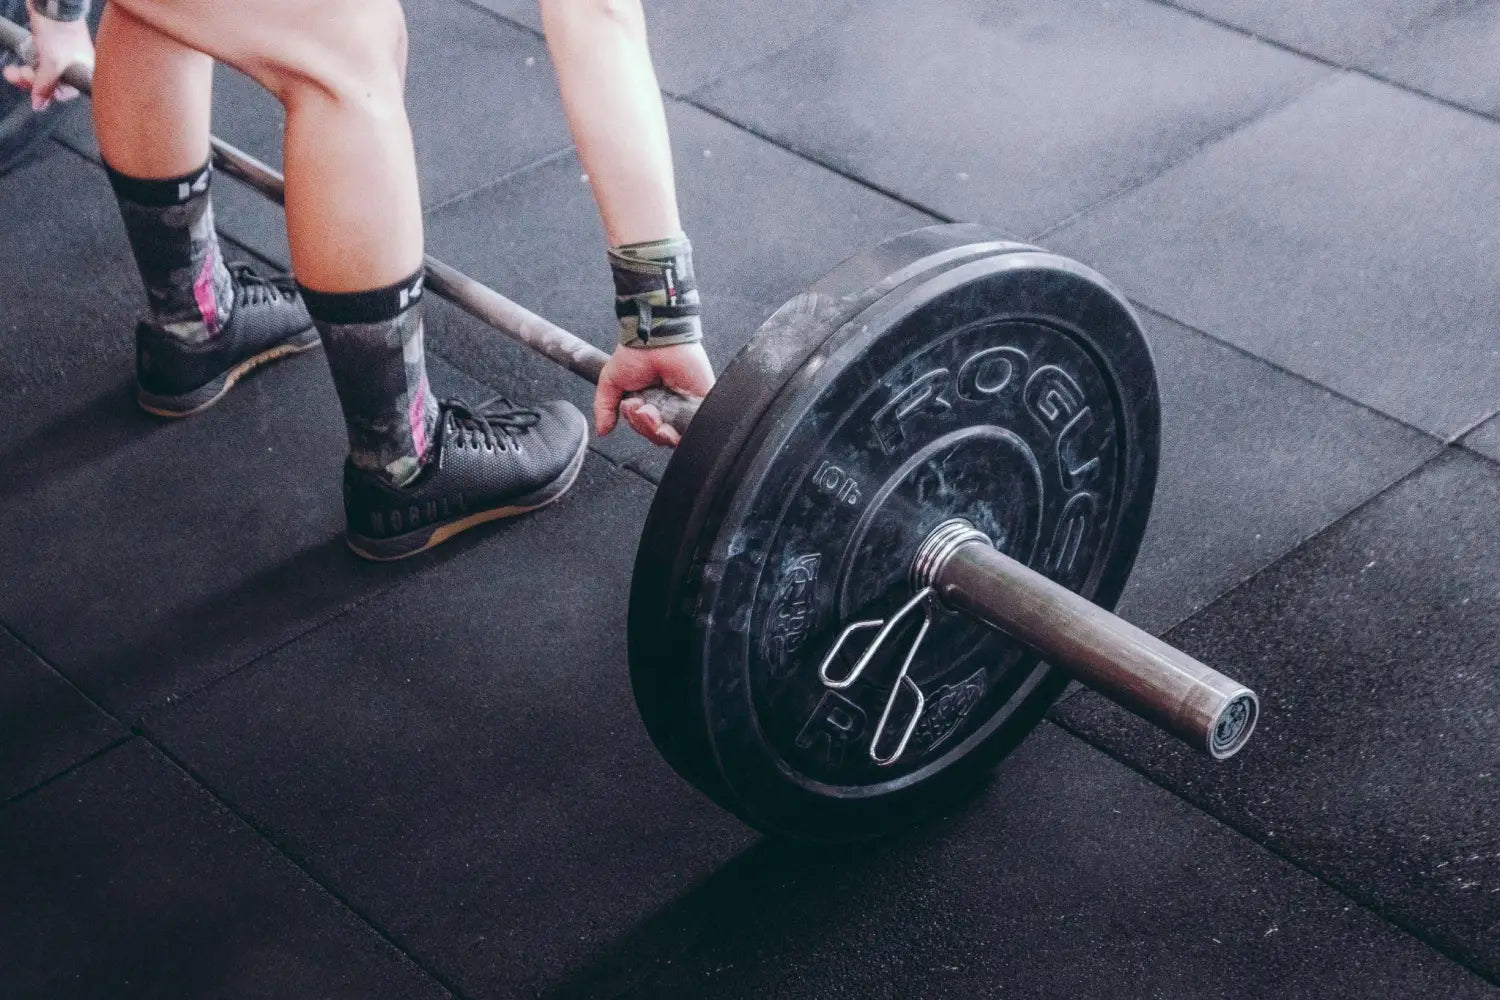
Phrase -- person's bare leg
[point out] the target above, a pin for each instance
(354, 212)
(355, 222)
(152, 104)
(153, 98)
(354, 216)
(338, 67)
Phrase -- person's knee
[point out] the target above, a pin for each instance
(353, 52)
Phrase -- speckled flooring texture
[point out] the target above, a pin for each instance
(236, 762)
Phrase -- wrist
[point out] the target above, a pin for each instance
(59, 10)
(656, 293)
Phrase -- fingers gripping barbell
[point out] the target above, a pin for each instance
(918, 479)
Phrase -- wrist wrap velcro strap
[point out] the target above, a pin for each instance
(61, 10)
(656, 293)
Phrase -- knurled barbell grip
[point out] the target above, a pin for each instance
(473, 297)
(1163, 685)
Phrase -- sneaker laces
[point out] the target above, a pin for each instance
(497, 421)
(251, 288)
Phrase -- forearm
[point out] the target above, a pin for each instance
(614, 108)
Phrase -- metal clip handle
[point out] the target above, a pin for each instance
(924, 600)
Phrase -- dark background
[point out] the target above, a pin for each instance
(237, 762)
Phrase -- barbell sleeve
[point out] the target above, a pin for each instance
(473, 297)
(1134, 669)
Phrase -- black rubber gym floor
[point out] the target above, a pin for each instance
(237, 762)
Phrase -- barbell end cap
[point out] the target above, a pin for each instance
(1233, 726)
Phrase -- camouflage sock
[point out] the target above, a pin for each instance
(171, 228)
(373, 341)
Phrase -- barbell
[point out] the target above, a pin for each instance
(891, 533)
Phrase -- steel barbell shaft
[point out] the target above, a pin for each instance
(473, 297)
(1138, 671)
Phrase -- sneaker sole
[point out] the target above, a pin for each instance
(206, 395)
(416, 542)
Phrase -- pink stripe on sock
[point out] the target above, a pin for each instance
(417, 414)
(204, 295)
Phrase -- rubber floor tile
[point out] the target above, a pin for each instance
(1070, 876)
(1013, 113)
(462, 758)
(1348, 32)
(694, 43)
(1375, 764)
(124, 881)
(1449, 54)
(1343, 238)
(1253, 461)
(46, 726)
(165, 556)
(1486, 439)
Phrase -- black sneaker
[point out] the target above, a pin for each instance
(490, 461)
(268, 322)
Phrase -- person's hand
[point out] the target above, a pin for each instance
(683, 368)
(58, 45)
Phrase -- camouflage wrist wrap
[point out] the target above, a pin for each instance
(61, 10)
(656, 293)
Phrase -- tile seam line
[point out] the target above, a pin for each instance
(688, 99)
(511, 21)
(1338, 71)
(1459, 437)
(321, 623)
(437, 206)
(1480, 455)
(1292, 549)
(505, 19)
(1220, 23)
(1124, 190)
(1368, 74)
(1130, 187)
(300, 864)
(1314, 535)
(79, 765)
(792, 150)
(1369, 905)
(77, 689)
(505, 178)
(1291, 373)
(651, 977)
(52, 668)
(174, 700)
(140, 731)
